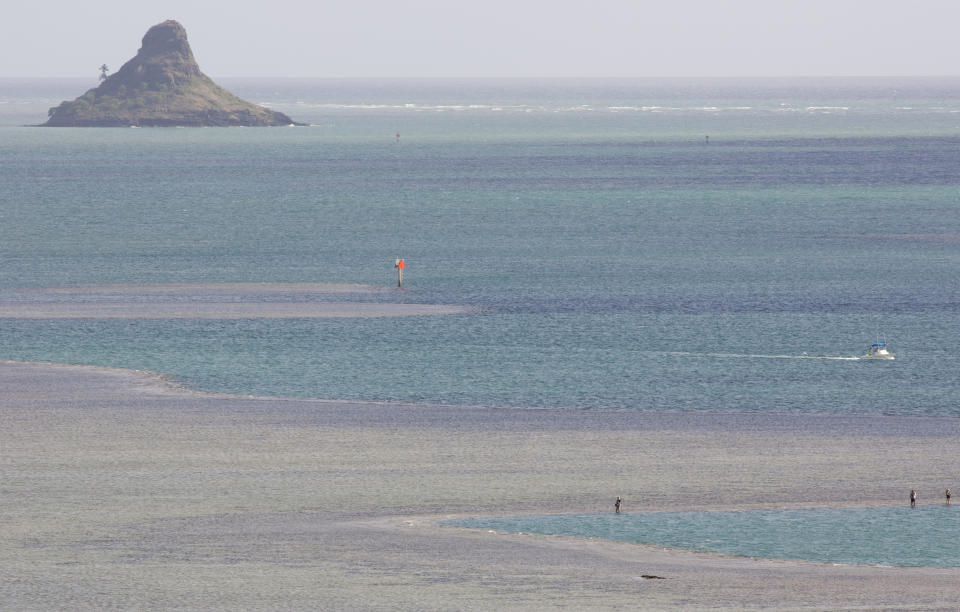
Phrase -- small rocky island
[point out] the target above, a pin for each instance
(161, 86)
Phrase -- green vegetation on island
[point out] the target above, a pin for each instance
(161, 86)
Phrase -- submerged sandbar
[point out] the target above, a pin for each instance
(211, 301)
(174, 499)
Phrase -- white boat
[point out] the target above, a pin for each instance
(878, 350)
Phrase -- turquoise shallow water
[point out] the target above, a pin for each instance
(899, 536)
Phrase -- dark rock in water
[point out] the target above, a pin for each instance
(161, 86)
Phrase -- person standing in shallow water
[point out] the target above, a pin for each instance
(913, 497)
(948, 497)
(616, 506)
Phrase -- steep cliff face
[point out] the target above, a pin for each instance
(161, 86)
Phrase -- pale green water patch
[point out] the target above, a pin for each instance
(895, 536)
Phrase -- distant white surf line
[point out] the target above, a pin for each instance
(754, 356)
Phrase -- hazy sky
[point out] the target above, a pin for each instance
(534, 38)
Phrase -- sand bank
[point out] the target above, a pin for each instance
(209, 301)
(224, 310)
(207, 289)
(119, 490)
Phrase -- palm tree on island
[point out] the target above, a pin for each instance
(103, 72)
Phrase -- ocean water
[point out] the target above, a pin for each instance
(896, 536)
(638, 245)
(642, 245)
(651, 245)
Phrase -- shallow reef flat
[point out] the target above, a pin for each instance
(122, 490)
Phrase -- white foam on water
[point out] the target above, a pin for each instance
(759, 356)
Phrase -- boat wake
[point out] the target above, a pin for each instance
(755, 356)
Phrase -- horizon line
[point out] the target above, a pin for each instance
(541, 78)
